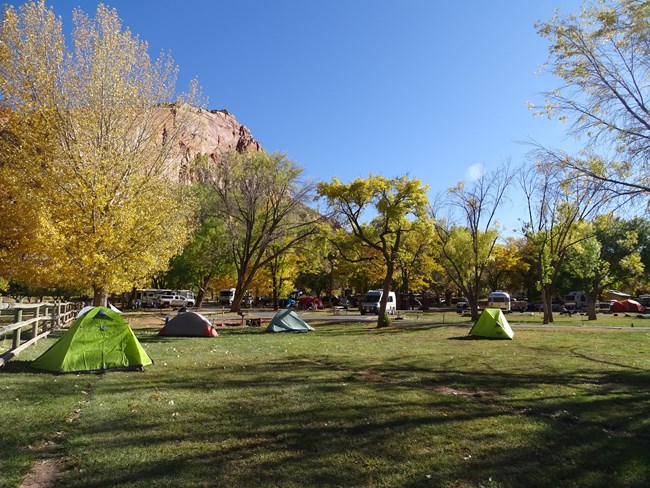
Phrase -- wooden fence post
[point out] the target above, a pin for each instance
(37, 323)
(51, 315)
(18, 317)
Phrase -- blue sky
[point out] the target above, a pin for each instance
(348, 87)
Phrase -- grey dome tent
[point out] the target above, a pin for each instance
(188, 324)
(288, 321)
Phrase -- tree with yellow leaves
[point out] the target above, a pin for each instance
(396, 203)
(87, 198)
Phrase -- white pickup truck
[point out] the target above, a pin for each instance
(175, 301)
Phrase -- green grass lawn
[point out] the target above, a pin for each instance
(415, 404)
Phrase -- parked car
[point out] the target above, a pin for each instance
(175, 301)
(518, 305)
(309, 303)
(372, 299)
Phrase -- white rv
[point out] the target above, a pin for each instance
(499, 299)
(370, 302)
(576, 300)
(227, 296)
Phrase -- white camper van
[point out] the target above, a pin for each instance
(370, 303)
(226, 296)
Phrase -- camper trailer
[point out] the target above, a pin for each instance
(227, 296)
(371, 300)
(499, 299)
(148, 297)
(576, 300)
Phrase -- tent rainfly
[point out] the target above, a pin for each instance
(622, 306)
(288, 321)
(492, 324)
(189, 324)
(97, 341)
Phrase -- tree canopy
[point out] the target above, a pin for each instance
(602, 57)
(261, 199)
(396, 203)
(87, 198)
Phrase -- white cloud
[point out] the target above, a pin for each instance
(475, 171)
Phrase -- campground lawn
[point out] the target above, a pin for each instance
(415, 404)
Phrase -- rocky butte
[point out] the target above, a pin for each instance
(209, 133)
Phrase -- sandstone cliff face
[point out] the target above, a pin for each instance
(209, 133)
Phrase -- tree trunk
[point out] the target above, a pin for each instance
(274, 290)
(547, 301)
(202, 287)
(200, 296)
(592, 295)
(472, 301)
(382, 319)
(131, 301)
(236, 301)
(100, 297)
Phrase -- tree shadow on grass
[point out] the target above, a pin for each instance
(315, 422)
(358, 420)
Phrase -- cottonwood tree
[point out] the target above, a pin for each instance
(465, 222)
(612, 257)
(262, 201)
(559, 205)
(87, 198)
(395, 203)
(602, 56)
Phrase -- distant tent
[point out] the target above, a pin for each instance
(97, 341)
(492, 324)
(623, 306)
(288, 321)
(189, 324)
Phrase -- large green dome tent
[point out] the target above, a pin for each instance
(97, 341)
(492, 324)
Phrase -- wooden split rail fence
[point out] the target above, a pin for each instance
(39, 318)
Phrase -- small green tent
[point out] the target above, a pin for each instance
(288, 321)
(97, 341)
(492, 324)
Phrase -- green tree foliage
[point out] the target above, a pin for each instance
(559, 205)
(467, 231)
(85, 153)
(602, 56)
(394, 204)
(206, 256)
(261, 199)
(417, 259)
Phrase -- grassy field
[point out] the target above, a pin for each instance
(416, 404)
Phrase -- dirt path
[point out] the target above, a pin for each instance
(44, 474)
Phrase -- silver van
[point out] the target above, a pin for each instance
(370, 302)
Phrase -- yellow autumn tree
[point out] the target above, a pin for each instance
(392, 207)
(86, 153)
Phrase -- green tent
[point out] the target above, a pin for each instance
(288, 321)
(98, 340)
(492, 324)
